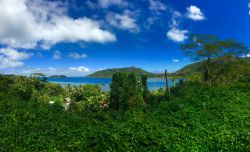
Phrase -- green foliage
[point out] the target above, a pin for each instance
(125, 93)
(144, 83)
(134, 92)
(5, 84)
(213, 55)
(87, 97)
(197, 117)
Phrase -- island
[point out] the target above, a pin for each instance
(107, 73)
(58, 76)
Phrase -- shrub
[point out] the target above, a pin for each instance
(86, 96)
(5, 83)
(145, 90)
(125, 92)
(53, 89)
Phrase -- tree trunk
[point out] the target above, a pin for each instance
(167, 84)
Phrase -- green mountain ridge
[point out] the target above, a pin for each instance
(58, 76)
(236, 65)
(239, 65)
(107, 73)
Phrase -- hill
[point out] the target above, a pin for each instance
(109, 72)
(237, 65)
(58, 76)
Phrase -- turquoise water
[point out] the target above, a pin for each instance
(153, 83)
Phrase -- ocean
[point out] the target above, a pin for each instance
(153, 83)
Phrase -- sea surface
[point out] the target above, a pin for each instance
(153, 83)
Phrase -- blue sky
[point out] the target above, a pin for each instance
(77, 37)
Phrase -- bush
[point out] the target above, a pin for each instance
(197, 117)
(144, 84)
(87, 96)
(125, 92)
(5, 83)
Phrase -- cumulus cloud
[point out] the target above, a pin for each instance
(125, 21)
(246, 55)
(175, 33)
(29, 23)
(57, 55)
(249, 8)
(10, 58)
(79, 69)
(108, 3)
(155, 5)
(75, 55)
(195, 13)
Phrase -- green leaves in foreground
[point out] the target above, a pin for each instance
(197, 117)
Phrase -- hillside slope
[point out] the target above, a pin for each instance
(239, 65)
(109, 72)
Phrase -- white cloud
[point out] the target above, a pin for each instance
(10, 58)
(75, 71)
(176, 60)
(195, 13)
(177, 35)
(246, 55)
(79, 69)
(75, 55)
(176, 19)
(156, 5)
(52, 69)
(108, 3)
(29, 23)
(57, 55)
(249, 7)
(123, 21)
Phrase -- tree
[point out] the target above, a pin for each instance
(125, 93)
(232, 48)
(134, 92)
(118, 90)
(202, 47)
(144, 85)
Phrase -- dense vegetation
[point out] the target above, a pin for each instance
(108, 73)
(218, 57)
(197, 117)
(209, 111)
(238, 65)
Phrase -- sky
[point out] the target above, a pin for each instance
(79, 37)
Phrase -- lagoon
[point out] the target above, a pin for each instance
(153, 83)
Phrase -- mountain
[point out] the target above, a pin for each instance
(109, 72)
(58, 76)
(239, 65)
